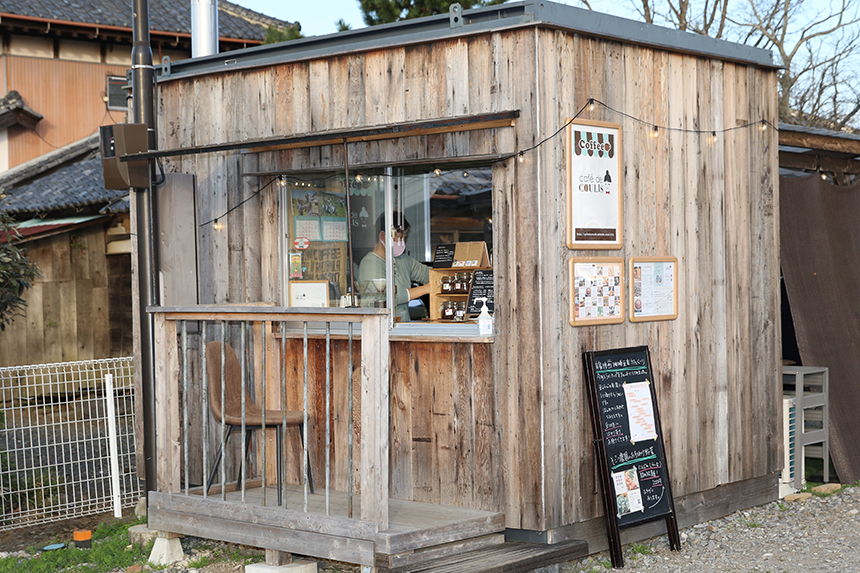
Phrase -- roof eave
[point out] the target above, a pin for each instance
(528, 13)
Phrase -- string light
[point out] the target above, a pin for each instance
(520, 155)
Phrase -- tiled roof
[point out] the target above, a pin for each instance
(234, 21)
(69, 178)
(14, 112)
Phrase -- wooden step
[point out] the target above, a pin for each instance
(508, 557)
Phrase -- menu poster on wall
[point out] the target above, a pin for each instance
(594, 193)
(596, 290)
(653, 288)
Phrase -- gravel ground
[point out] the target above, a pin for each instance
(819, 534)
(816, 535)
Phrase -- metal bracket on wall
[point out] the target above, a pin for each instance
(455, 14)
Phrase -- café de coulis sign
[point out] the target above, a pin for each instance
(594, 185)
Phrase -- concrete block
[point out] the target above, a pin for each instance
(141, 534)
(827, 488)
(297, 566)
(166, 551)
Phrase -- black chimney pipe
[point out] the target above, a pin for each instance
(143, 90)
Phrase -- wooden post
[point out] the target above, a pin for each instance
(168, 423)
(374, 420)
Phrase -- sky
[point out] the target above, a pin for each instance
(318, 17)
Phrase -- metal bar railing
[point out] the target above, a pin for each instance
(321, 439)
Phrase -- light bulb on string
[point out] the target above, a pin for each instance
(591, 104)
(655, 132)
(714, 136)
(521, 156)
(282, 181)
(437, 172)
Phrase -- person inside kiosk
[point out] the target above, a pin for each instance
(407, 270)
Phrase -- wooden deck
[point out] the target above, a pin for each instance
(415, 528)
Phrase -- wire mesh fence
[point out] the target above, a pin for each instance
(59, 456)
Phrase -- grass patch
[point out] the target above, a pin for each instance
(110, 550)
(640, 549)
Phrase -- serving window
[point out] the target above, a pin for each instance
(378, 245)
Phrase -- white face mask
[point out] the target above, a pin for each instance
(398, 248)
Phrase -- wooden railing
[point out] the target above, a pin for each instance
(171, 381)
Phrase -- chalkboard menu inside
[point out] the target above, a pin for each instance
(444, 256)
(631, 458)
(482, 286)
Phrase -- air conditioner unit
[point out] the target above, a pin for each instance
(792, 454)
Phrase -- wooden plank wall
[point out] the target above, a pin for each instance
(75, 308)
(444, 419)
(711, 204)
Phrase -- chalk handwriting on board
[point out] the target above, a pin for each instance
(627, 421)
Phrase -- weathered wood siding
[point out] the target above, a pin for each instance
(710, 204)
(80, 306)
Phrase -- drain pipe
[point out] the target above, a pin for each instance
(143, 89)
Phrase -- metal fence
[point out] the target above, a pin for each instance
(67, 445)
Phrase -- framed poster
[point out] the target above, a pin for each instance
(309, 293)
(594, 193)
(596, 290)
(653, 288)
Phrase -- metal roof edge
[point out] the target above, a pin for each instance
(475, 21)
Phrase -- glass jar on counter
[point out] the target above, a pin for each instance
(462, 282)
(447, 310)
(460, 311)
(446, 284)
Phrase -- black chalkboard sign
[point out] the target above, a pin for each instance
(482, 286)
(443, 258)
(629, 441)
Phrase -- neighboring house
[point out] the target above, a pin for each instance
(63, 74)
(67, 61)
(77, 232)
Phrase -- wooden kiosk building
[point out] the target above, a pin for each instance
(459, 438)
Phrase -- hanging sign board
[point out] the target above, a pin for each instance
(594, 194)
(653, 288)
(629, 442)
(596, 290)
